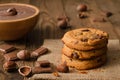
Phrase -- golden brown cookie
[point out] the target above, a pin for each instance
(85, 39)
(85, 64)
(77, 54)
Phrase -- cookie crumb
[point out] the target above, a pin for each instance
(56, 74)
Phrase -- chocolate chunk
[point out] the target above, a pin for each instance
(44, 63)
(75, 55)
(63, 68)
(37, 70)
(11, 56)
(5, 48)
(25, 71)
(84, 39)
(38, 52)
(10, 66)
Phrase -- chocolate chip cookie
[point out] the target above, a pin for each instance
(77, 54)
(85, 64)
(85, 39)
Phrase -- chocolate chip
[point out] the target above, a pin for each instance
(84, 39)
(5, 48)
(75, 55)
(12, 11)
(85, 30)
(63, 68)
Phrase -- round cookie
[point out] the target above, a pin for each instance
(72, 53)
(85, 64)
(85, 39)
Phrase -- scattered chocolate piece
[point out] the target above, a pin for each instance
(37, 70)
(25, 71)
(5, 48)
(11, 56)
(38, 52)
(44, 63)
(107, 13)
(99, 20)
(56, 74)
(82, 15)
(82, 7)
(10, 66)
(23, 55)
(63, 68)
(62, 24)
(11, 11)
(75, 55)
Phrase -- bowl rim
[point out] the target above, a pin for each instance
(21, 4)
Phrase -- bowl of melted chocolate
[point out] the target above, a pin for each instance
(16, 20)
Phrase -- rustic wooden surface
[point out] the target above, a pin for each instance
(46, 27)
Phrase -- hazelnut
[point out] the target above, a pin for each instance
(12, 11)
(82, 7)
(23, 54)
(62, 24)
(10, 66)
(25, 71)
(63, 68)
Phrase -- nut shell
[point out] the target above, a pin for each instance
(25, 70)
(23, 54)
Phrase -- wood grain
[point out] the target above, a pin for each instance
(46, 28)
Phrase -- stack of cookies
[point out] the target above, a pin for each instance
(85, 48)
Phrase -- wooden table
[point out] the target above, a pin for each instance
(46, 27)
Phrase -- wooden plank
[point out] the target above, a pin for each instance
(115, 18)
(105, 26)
